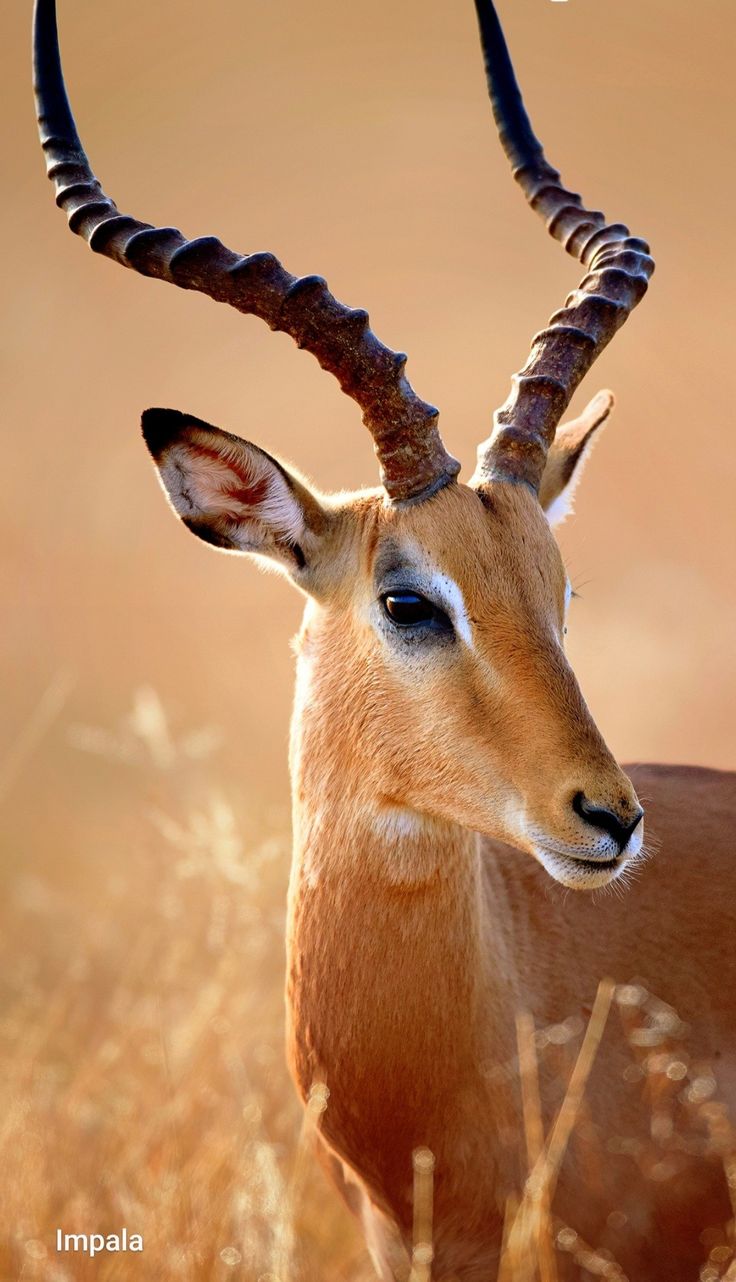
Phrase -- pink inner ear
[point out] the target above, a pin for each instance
(223, 482)
(211, 479)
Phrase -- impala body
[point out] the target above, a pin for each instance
(450, 786)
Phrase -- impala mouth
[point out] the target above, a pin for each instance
(586, 870)
(580, 873)
(595, 865)
(607, 867)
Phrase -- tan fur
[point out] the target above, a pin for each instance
(439, 778)
(434, 778)
(415, 934)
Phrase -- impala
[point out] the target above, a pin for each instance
(446, 770)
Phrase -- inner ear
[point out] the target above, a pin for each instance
(228, 491)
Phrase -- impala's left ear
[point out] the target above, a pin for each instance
(233, 494)
(567, 456)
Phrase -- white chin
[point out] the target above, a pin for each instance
(580, 874)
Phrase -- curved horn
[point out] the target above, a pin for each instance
(414, 462)
(619, 267)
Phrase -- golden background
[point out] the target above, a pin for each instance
(354, 141)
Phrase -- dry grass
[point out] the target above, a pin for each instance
(141, 1041)
(687, 1122)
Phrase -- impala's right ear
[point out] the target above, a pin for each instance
(231, 493)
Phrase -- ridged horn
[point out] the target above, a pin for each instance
(618, 270)
(414, 462)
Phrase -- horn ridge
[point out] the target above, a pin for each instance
(618, 265)
(413, 459)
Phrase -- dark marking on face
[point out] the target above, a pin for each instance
(390, 561)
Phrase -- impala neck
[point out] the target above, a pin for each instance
(391, 955)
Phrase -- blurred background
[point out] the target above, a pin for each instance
(146, 682)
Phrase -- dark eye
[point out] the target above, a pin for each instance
(410, 610)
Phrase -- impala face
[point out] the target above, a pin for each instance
(439, 687)
(479, 717)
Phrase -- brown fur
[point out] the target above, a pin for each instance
(433, 786)
(410, 954)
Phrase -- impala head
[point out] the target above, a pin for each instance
(434, 637)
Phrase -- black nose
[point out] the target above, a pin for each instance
(607, 820)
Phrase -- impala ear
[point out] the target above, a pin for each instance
(567, 457)
(231, 493)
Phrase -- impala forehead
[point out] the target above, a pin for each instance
(475, 558)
